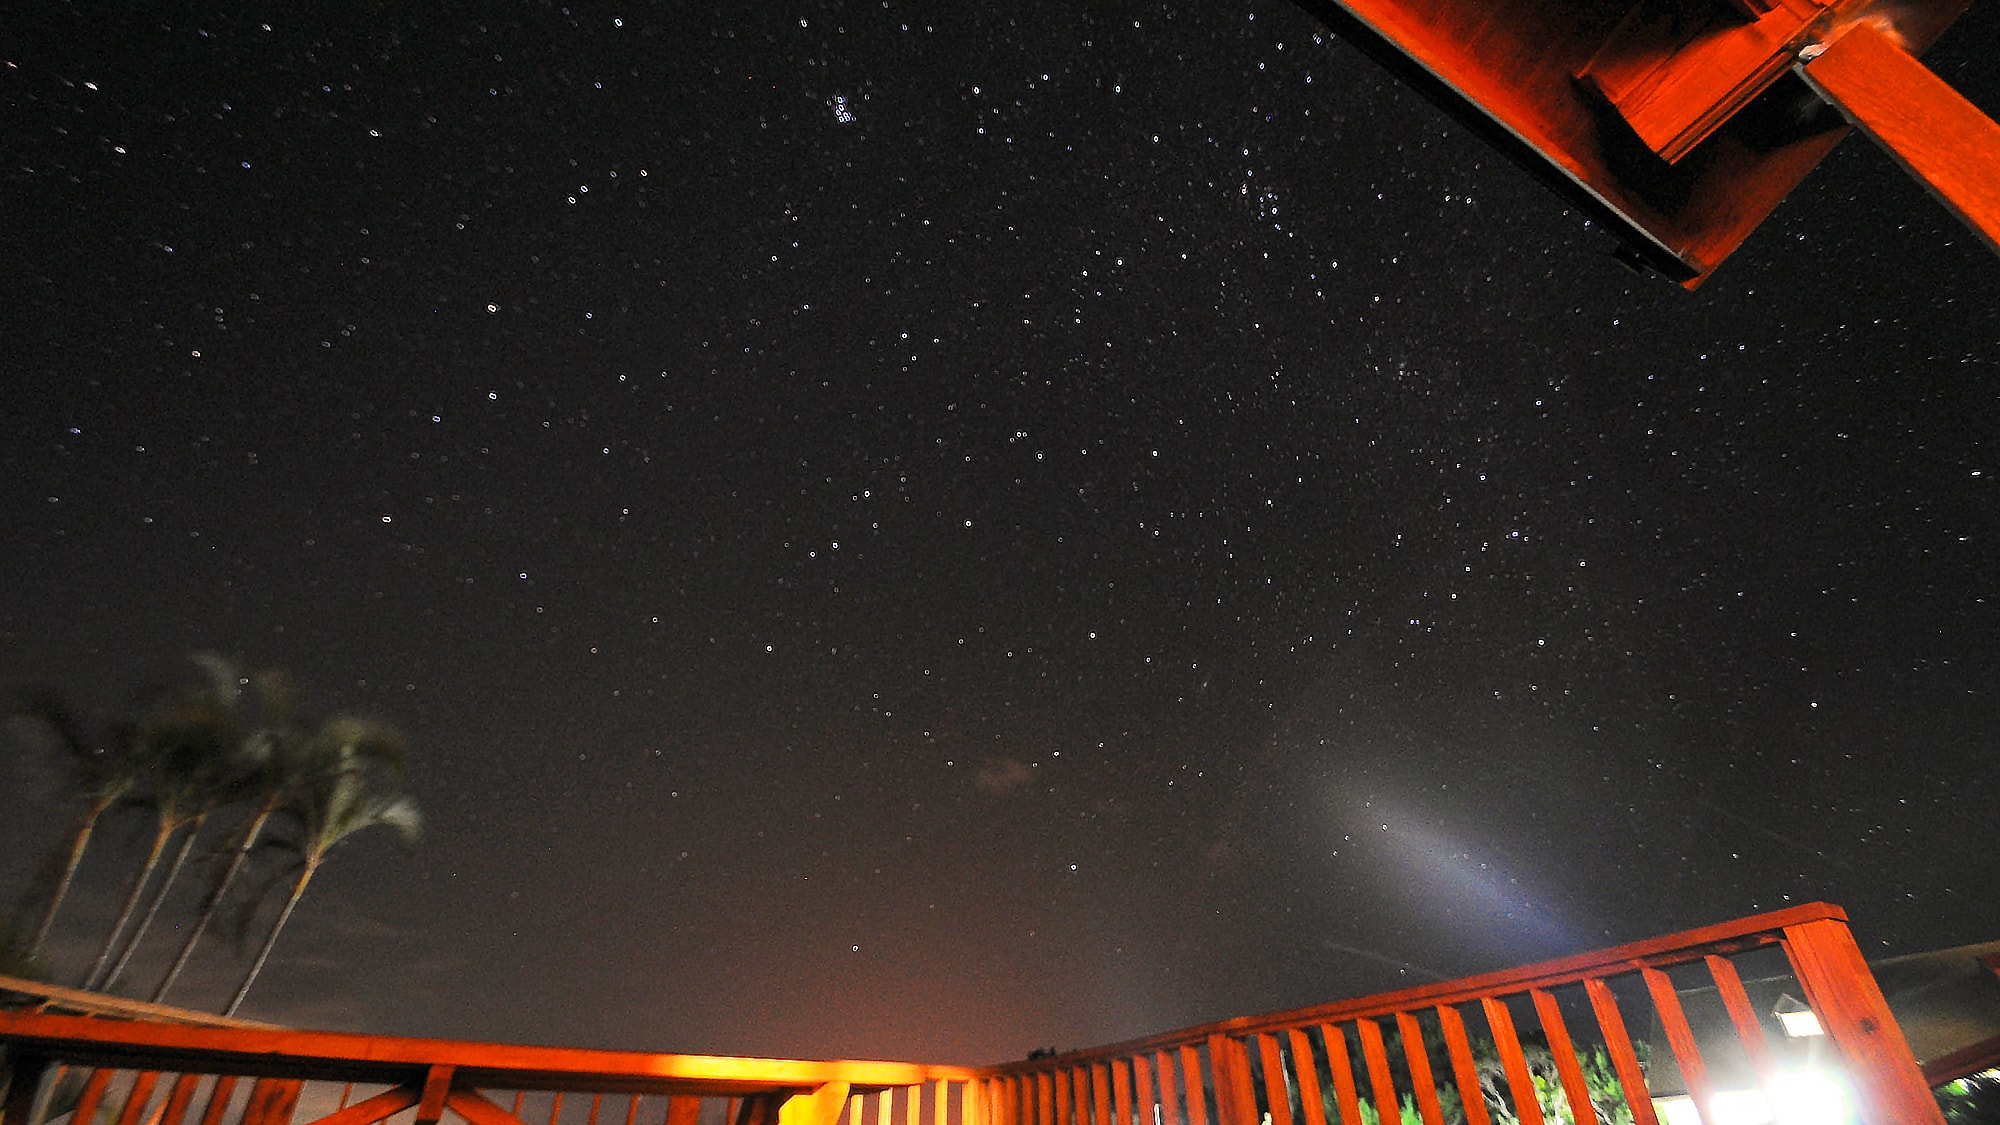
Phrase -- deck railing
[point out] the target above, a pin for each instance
(1530, 1045)
(1677, 1029)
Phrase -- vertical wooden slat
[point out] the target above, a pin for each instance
(1197, 1099)
(137, 1097)
(1564, 1052)
(1423, 1084)
(1667, 1004)
(555, 1109)
(437, 1086)
(1121, 1093)
(596, 1101)
(1306, 1072)
(1100, 1092)
(93, 1096)
(1082, 1081)
(218, 1100)
(519, 1097)
(272, 1101)
(1849, 1003)
(178, 1099)
(913, 1107)
(1276, 1094)
(682, 1109)
(1143, 1096)
(1520, 1083)
(1235, 1090)
(1464, 1069)
(632, 1110)
(1748, 1030)
(940, 1095)
(346, 1095)
(1065, 1099)
(885, 1107)
(1377, 1058)
(1338, 1064)
(1631, 1078)
(1171, 1108)
(1045, 1098)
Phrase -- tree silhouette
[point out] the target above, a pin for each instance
(341, 791)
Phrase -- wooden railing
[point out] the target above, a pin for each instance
(1463, 1051)
(1535, 1045)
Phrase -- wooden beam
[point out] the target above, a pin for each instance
(820, 1107)
(1849, 1003)
(437, 1086)
(386, 1104)
(1929, 128)
(473, 1106)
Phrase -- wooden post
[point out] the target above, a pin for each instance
(1843, 993)
(437, 1086)
(1933, 132)
(1235, 1096)
(821, 1107)
(272, 1101)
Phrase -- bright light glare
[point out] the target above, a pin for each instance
(1797, 1098)
(1809, 1096)
(1798, 1025)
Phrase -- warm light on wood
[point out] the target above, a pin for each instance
(1934, 133)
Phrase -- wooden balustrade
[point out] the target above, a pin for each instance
(1533, 1045)
(1597, 1036)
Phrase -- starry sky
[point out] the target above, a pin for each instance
(913, 530)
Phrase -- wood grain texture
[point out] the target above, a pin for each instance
(1941, 139)
(1850, 1006)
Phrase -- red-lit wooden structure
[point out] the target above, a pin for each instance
(1678, 1002)
(1682, 123)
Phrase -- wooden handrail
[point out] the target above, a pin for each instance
(1671, 949)
(1535, 1020)
(348, 1057)
(97, 1003)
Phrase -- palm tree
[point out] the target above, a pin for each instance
(105, 773)
(340, 792)
(271, 764)
(185, 741)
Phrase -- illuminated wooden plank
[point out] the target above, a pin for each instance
(1564, 1051)
(1197, 1107)
(1275, 1094)
(1624, 1060)
(1849, 1003)
(141, 1093)
(1344, 1093)
(1749, 1030)
(1423, 1083)
(1673, 1022)
(1121, 1093)
(1527, 1106)
(218, 1100)
(1928, 127)
(380, 1107)
(1147, 1102)
(272, 1101)
(1464, 1070)
(1310, 1103)
(178, 1098)
(1376, 1056)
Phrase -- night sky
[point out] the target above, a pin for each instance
(901, 530)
